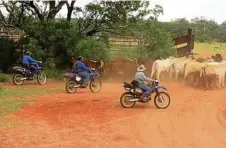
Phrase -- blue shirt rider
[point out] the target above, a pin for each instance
(82, 70)
(28, 60)
(141, 78)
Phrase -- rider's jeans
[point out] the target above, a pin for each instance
(85, 76)
(147, 90)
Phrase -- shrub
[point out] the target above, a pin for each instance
(55, 74)
(7, 54)
(52, 42)
(159, 42)
(4, 78)
(92, 48)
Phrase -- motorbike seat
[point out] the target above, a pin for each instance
(128, 84)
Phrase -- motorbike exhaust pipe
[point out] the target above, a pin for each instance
(133, 100)
(76, 86)
(23, 79)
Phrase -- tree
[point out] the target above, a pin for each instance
(108, 16)
(70, 8)
(204, 28)
(49, 11)
(16, 14)
(159, 42)
(157, 11)
(46, 10)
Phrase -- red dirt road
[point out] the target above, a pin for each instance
(195, 118)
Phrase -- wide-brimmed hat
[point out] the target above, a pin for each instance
(141, 68)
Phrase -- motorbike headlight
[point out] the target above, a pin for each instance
(156, 83)
(78, 78)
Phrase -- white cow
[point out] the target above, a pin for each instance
(214, 73)
(177, 68)
(216, 63)
(192, 71)
(160, 66)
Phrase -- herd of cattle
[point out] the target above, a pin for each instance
(189, 69)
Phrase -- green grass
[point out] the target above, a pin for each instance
(136, 51)
(12, 100)
(9, 104)
(55, 74)
(24, 91)
(212, 47)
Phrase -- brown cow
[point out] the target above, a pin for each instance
(98, 65)
(217, 58)
(93, 63)
(122, 68)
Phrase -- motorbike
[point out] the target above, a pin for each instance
(133, 94)
(21, 74)
(75, 81)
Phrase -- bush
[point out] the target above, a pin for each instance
(53, 42)
(4, 78)
(54, 74)
(7, 54)
(92, 48)
(159, 42)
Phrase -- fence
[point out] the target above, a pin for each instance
(126, 46)
(7, 31)
(184, 41)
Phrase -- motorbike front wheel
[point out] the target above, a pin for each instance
(162, 98)
(41, 78)
(95, 85)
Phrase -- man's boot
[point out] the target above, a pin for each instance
(84, 85)
(29, 75)
(144, 97)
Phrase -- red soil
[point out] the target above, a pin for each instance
(195, 118)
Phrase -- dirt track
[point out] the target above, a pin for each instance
(195, 118)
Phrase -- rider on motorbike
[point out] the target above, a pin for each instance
(28, 60)
(72, 62)
(141, 78)
(82, 70)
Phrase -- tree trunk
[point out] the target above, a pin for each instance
(70, 9)
(69, 13)
(53, 10)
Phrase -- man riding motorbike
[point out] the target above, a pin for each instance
(72, 63)
(82, 70)
(141, 79)
(27, 61)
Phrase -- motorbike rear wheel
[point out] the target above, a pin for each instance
(17, 79)
(124, 100)
(160, 99)
(70, 86)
